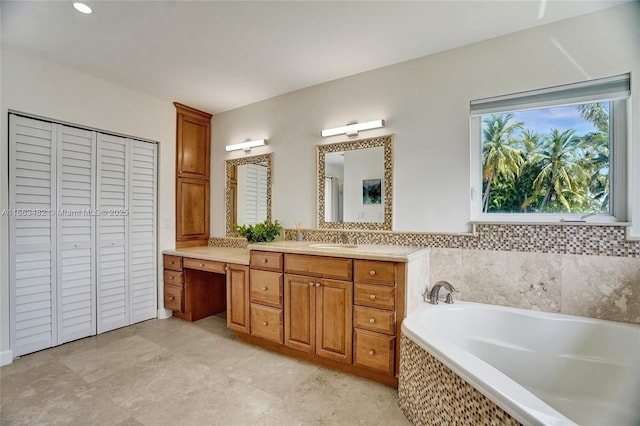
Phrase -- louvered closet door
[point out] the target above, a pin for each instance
(75, 233)
(142, 231)
(32, 235)
(111, 228)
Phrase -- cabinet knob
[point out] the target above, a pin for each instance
(172, 262)
(172, 298)
(372, 320)
(76, 245)
(179, 237)
(202, 265)
(265, 323)
(372, 272)
(372, 352)
(317, 284)
(310, 284)
(113, 243)
(265, 288)
(265, 260)
(372, 296)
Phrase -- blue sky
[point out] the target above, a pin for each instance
(562, 118)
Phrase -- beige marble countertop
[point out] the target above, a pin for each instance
(218, 254)
(361, 251)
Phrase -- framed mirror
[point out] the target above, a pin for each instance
(247, 190)
(355, 184)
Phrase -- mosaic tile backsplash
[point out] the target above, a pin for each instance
(560, 239)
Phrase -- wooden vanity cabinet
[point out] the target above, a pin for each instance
(318, 311)
(266, 296)
(375, 315)
(238, 318)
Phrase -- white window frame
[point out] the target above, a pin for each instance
(612, 89)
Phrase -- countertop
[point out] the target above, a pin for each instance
(218, 254)
(361, 251)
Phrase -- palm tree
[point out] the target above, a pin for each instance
(597, 145)
(500, 157)
(562, 173)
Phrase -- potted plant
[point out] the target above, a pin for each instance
(260, 232)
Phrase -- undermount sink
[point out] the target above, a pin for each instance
(332, 246)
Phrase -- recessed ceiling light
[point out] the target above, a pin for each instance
(81, 7)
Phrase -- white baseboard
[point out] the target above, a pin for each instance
(165, 313)
(6, 357)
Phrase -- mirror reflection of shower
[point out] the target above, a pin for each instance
(334, 197)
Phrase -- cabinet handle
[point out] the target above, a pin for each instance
(372, 352)
(372, 272)
(372, 296)
(310, 284)
(265, 288)
(265, 323)
(372, 320)
(317, 284)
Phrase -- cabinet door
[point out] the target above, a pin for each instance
(334, 319)
(112, 233)
(193, 145)
(300, 312)
(76, 291)
(32, 236)
(143, 280)
(238, 298)
(192, 210)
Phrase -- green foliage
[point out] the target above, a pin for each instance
(554, 172)
(260, 232)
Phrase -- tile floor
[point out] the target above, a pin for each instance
(171, 372)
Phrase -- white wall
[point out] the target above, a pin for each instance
(39, 87)
(425, 103)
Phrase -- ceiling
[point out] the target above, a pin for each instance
(220, 55)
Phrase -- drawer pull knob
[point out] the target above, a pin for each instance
(372, 272)
(317, 284)
(265, 288)
(202, 265)
(372, 352)
(310, 284)
(172, 262)
(372, 320)
(265, 260)
(171, 299)
(372, 296)
(265, 323)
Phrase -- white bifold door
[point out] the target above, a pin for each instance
(82, 233)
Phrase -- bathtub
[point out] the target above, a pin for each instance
(540, 368)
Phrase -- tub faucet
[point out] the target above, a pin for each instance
(435, 290)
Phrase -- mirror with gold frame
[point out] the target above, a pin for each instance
(247, 190)
(355, 184)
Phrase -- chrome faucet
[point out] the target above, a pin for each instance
(432, 297)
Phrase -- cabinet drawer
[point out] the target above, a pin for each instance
(375, 271)
(267, 323)
(266, 288)
(172, 262)
(266, 260)
(374, 350)
(319, 266)
(376, 296)
(174, 297)
(204, 265)
(374, 319)
(173, 277)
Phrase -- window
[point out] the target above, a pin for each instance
(551, 153)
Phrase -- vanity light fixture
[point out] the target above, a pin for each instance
(246, 145)
(82, 8)
(352, 129)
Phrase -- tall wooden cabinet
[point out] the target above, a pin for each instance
(193, 156)
(82, 233)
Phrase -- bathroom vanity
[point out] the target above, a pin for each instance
(337, 305)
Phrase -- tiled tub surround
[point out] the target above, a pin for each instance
(537, 366)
